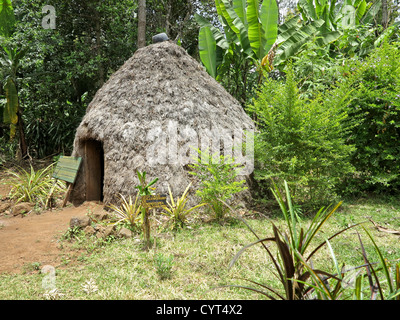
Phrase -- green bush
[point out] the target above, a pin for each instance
(301, 140)
(34, 186)
(218, 181)
(177, 210)
(375, 110)
(297, 246)
(163, 265)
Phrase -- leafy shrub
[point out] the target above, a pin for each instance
(300, 140)
(315, 69)
(177, 211)
(375, 110)
(34, 186)
(163, 265)
(292, 264)
(218, 181)
(299, 279)
(128, 212)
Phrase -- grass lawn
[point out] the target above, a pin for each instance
(200, 255)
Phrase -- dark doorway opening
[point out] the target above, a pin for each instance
(94, 170)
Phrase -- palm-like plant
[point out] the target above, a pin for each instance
(145, 189)
(249, 28)
(10, 58)
(128, 211)
(177, 210)
(33, 186)
(293, 267)
(322, 20)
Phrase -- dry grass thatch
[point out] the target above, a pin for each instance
(146, 117)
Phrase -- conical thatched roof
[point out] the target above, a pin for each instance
(146, 117)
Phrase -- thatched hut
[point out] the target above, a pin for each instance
(147, 117)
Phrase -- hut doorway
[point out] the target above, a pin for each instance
(94, 170)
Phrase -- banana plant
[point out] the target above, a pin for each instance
(324, 20)
(10, 58)
(145, 189)
(249, 28)
(7, 18)
(294, 34)
(335, 13)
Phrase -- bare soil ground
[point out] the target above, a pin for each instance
(34, 238)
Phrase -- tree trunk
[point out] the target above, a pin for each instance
(385, 14)
(99, 46)
(22, 141)
(141, 23)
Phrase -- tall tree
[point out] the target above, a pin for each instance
(65, 66)
(141, 23)
(10, 58)
(385, 14)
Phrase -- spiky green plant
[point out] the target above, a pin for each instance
(293, 265)
(128, 211)
(177, 210)
(33, 186)
(392, 280)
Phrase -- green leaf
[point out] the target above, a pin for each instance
(10, 113)
(207, 50)
(307, 8)
(239, 6)
(371, 12)
(291, 41)
(269, 19)
(327, 37)
(7, 19)
(383, 262)
(218, 35)
(237, 26)
(360, 11)
(255, 30)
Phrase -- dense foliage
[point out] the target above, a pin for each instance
(375, 107)
(301, 140)
(64, 67)
(325, 94)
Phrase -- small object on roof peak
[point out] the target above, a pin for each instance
(160, 37)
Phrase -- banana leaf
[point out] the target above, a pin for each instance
(360, 10)
(371, 12)
(239, 6)
(7, 19)
(293, 39)
(10, 112)
(269, 19)
(218, 35)
(296, 40)
(307, 10)
(255, 30)
(207, 50)
(237, 26)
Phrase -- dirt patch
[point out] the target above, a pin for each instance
(35, 238)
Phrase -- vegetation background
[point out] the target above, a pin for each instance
(322, 84)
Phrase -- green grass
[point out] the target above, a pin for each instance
(201, 256)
